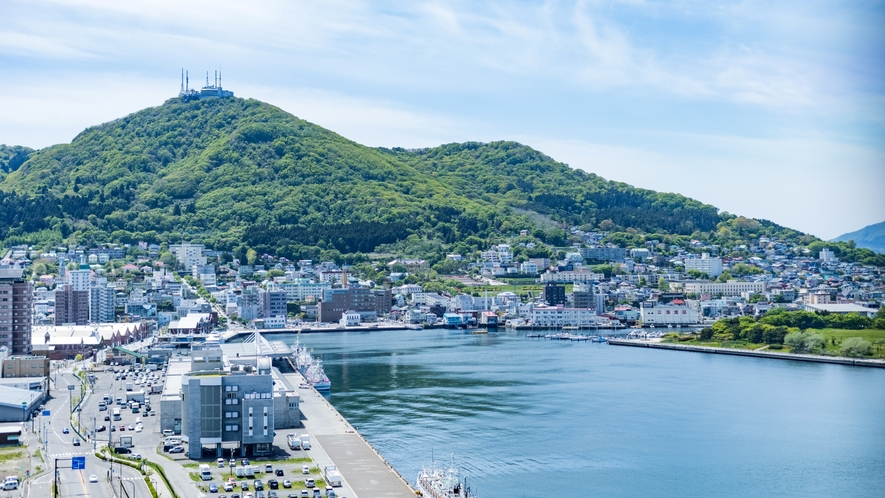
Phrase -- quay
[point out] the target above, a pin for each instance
(858, 362)
(230, 334)
(363, 470)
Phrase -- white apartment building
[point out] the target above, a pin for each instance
(577, 276)
(498, 254)
(828, 256)
(674, 313)
(300, 290)
(705, 264)
(188, 254)
(528, 268)
(79, 279)
(560, 316)
(730, 288)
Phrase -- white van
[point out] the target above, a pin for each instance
(167, 432)
(205, 473)
(10, 482)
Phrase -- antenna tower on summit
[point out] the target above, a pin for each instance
(208, 91)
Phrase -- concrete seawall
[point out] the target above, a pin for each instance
(857, 362)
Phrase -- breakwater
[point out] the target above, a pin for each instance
(839, 360)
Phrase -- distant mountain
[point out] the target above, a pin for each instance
(871, 237)
(235, 173)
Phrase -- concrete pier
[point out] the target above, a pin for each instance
(335, 441)
(839, 360)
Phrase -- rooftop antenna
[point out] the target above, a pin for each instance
(219, 77)
(182, 81)
(216, 79)
(186, 80)
(207, 79)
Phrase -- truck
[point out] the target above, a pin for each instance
(116, 414)
(333, 477)
(249, 470)
(156, 388)
(135, 396)
(305, 441)
(294, 441)
(128, 386)
(205, 472)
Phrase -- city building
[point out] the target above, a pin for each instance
(370, 304)
(15, 311)
(25, 366)
(674, 313)
(705, 264)
(560, 316)
(574, 276)
(188, 255)
(229, 396)
(582, 296)
(273, 303)
(730, 288)
(616, 254)
(553, 294)
(300, 290)
(828, 256)
(194, 324)
(101, 303)
(71, 307)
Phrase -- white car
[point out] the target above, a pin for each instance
(305, 469)
(93, 478)
(138, 428)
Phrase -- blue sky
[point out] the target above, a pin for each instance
(768, 109)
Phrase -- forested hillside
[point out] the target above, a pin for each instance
(232, 172)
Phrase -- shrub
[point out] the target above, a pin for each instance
(855, 347)
(804, 342)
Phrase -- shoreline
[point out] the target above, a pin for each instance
(837, 360)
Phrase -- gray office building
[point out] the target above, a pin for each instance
(227, 403)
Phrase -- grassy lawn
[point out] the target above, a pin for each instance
(832, 338)
(875, 336)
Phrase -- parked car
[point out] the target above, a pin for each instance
(76, 441)
(259, 486)
(279, 472)
(244, 485)
(287, 484)
(100, 428)
(122, 427)
(305, 469)
(107, 418)
(228, 487)
(177, 449)
(273, 484)
(65, 430)
(213, 488)
(268, 469)
(309, 483)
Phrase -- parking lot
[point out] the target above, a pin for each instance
(184, 473)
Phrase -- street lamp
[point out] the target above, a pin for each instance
(120, 477)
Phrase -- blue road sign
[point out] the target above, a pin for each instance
(45, 413)
(78, 463)
(70, 387)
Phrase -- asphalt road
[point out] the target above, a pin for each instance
(58, 449)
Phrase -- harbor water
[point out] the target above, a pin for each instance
(533, 417)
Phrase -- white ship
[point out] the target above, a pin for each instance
(439, 483)
(311, 368)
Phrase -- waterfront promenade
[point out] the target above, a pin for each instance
(365, 472)
(839, 360)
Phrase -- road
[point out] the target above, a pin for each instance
(58, 448)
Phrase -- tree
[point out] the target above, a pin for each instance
(698, 274)
(663, 285)
(756, 298)
(251, 256)
(855, 347)
(804, 342)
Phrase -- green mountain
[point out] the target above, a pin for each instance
(871, 237)
(237, 173)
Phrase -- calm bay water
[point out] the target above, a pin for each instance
(528, 417)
